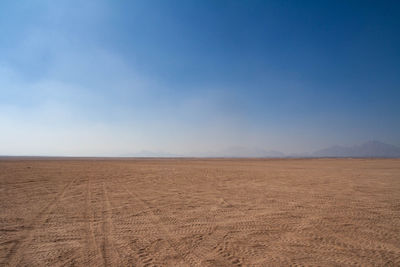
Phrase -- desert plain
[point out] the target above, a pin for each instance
(199, 212)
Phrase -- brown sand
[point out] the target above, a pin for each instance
(200, 212)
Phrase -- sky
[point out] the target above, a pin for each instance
(114, 78)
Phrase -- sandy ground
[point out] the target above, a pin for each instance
(149, 212)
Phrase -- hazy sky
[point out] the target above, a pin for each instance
(188, 77)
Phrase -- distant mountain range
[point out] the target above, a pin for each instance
(151, 154)
(245, 152)
(369, 149)
(373, 149)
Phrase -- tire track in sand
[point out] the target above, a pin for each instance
(92, 247)
(188, 259)
(137, 256)
(14, 256)
(111, 256)
(215, 245)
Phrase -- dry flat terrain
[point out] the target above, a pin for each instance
(193, 212)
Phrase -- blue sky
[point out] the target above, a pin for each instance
(93, 78)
